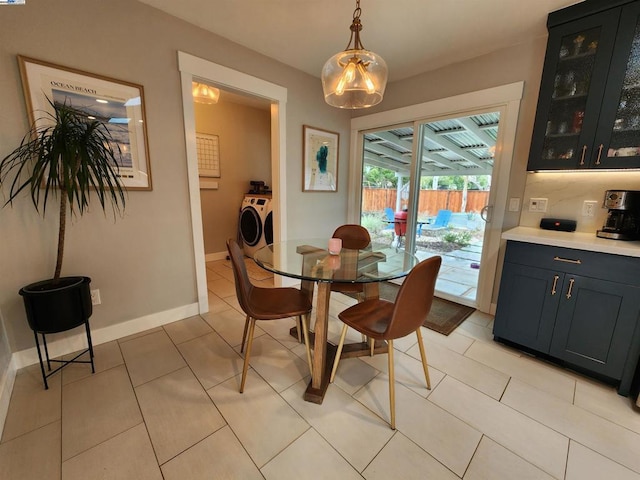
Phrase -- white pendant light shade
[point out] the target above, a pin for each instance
(354, 79)
(203, 93)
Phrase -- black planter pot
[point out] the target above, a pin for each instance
(57, 305)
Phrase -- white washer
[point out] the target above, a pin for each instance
(256, 223)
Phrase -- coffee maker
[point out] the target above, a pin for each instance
(623, 219)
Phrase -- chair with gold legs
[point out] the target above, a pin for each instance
(260, 303)
(383, 320)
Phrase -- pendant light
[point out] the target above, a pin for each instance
(354, 78)
(203, 93)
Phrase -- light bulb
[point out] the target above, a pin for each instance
(348, 75)
(204, 93)
(366, 78)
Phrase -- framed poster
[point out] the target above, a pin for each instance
(118, 104)
(320, 160)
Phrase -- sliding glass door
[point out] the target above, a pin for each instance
(494, 111)
(426, 188)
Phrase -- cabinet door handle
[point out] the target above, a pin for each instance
(571, 281)
(599, 153)
(555, 284)
(567, 260)
(584, 152)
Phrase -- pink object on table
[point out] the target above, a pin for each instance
(335, 245)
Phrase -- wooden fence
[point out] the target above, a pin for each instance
(430, 201)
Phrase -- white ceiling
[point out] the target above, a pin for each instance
(413, 36)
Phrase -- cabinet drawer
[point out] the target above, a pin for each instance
(606, 266)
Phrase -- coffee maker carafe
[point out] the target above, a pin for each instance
(623, 219)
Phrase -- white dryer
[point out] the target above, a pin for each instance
(256, 223)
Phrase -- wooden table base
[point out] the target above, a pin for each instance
(325, 352)
(349, 350)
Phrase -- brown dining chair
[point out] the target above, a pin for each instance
(260, 303)
(383, 320)
(354, 237)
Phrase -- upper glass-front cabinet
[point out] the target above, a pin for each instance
(619, 126)
(588, 112)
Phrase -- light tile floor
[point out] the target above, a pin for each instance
(164, 404)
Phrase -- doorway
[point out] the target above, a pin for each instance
(422, 162)
(193, 67)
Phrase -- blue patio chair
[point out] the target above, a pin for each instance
(441, 221)
(389, 214)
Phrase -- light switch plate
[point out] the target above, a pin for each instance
(514, 204)
(538, 205)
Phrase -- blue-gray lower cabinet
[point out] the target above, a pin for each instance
(581, 308)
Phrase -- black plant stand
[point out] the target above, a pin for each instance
(55, 306)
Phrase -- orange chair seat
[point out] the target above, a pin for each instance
(370, 318)
(274, 304)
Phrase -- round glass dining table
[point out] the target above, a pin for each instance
(309, 261)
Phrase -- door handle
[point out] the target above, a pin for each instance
(485, 213)
(555, 284)
(584, 151)
(599, 154)
(567, 260)
(571, 282)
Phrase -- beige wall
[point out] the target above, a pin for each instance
(142, 263)
(245, 149)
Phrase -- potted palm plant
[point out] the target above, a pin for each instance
(70, 159)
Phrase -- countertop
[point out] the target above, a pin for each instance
(577, 240)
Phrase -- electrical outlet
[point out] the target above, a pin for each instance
(538, 205)
(589, 208)
(514, 204)
(95, 297)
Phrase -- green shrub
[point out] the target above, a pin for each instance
(462, 238)
(373, 223)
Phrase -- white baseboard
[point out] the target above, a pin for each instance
(211, 257)
(6, 388)
(78, 341)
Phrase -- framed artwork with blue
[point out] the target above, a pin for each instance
(320, 160)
